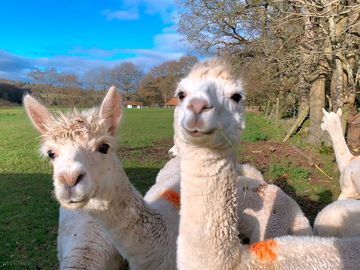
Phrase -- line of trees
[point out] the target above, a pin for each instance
(295, 56)
(154, 88)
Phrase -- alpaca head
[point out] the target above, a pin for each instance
(81, 147)
(211, 110)
(331, 120)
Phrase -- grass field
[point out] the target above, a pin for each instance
(28, 211)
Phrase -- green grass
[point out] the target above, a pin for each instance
(259, 129)
(28, 211)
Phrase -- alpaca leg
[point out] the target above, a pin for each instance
(256, 235)
(348, 188)
(354, 172)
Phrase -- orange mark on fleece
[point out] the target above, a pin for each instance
(264, 251)
(172, 197)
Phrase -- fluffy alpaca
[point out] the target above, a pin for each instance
(83, 243)
(339, 219)
(82, 136)
(264, 210)
(208, 123)
(349, 165)
(88, 176)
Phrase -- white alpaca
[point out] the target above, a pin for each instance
(208, 123)
(76, 144)
(265, 211)
(83, 243)
(339, 219)
(349, 165)
(88, 176)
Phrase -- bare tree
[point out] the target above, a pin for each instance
(127, 77)
(98, 78)
(295, 47)
(159, 84)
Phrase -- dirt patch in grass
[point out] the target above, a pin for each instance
(260, 154)
(157, 152)
(295, 170)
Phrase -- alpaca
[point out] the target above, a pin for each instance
(208, 123)
(265, 211)
(83, 243)
(82, 136)
(89, 178)
(349, 165)
(339, 219)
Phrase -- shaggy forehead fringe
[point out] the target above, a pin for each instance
(218, 70)
(212, 68)
(76, 125)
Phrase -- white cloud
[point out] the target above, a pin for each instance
(122, 15)
(167, 46)
(170, 41)
(130, 10)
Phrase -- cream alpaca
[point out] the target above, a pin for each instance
(208, 123)
(339, 219)
(88, 175)
(80, 132)
(349, 165)
(264, 210)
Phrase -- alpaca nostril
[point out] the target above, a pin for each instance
(198, 106)
(71, 180)
(79, 178)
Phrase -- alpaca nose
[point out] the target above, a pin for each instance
(71, 179)
(199, 105)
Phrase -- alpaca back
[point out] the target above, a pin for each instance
(266, 211)
(339, 219)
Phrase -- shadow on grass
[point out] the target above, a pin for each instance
(142, 178)
(309, 206)
(28, 222)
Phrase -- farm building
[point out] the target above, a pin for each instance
(172, 102)
(134, 104)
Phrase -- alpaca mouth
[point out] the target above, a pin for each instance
(71, 201)
(197, 133)
(74, 204)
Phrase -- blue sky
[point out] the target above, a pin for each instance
(78, 35)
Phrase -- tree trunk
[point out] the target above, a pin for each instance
(317, 103)
(301, 118)
(277, 113)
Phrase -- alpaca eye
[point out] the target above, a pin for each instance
(236, 97)
(104, 148)
(181, 95)
(51, 154)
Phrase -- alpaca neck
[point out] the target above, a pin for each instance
(342, 152)
(133, 226)
(208, 236)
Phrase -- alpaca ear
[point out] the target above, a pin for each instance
(110, 109)
(37, 113)
(339, 112)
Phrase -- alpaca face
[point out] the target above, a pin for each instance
(331, 120)
(80, 147)
(211, 111)
(81, 170)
